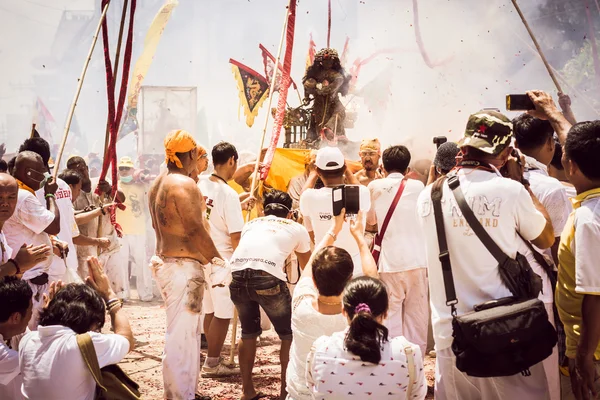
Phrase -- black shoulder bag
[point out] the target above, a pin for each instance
(501, 337)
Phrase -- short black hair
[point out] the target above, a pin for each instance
(15, 296)
(396, 159)
(76, 306)
(222, 152)
(332, 270)
(11, 164)
(3, 166)
(71, 177)
(37, 145)
(530, 132)
(557, 157)
(583, 147)
(277, 203)
(72, 161)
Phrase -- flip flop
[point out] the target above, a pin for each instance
(259, 395)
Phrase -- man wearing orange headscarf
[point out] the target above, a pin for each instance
(370, 153)
(183, 250)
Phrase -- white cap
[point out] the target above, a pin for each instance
(329, 158)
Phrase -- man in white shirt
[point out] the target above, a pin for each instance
(68, 227)
(32, 222)
(506, 208)
(15, 313)
(224, 215)
(535, 138)
(259, 279)
(316, 205)
(402, 262)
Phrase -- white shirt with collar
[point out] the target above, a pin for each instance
(10, 382)
(403, 247)
(26, 226)
(52, 365)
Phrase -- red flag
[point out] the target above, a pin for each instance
(253, 88)
(283, 91)
(269, 63)
(312, 50)
(44, 121)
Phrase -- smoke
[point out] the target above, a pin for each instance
(400, 99)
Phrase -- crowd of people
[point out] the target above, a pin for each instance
(371, 295)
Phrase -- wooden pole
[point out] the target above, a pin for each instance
(254, 174)
(77, 92)
(592, 38)
(537, 46)
(328, 22)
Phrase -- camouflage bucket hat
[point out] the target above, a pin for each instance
(488, 131)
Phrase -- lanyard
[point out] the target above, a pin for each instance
(218, 177)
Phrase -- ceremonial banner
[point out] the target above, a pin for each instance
(253, 87)
(344, 58)
(312, 50)
(283, 91)
(44, 121)
(269, 64)
(143, 63)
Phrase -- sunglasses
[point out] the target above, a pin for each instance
(124, 168)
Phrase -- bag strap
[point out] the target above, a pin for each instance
(474, 223)
(542, 261)
(86, 347)
(410, 358)
(436, 198)
(390, 212)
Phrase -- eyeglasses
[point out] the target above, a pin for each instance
(366, 153)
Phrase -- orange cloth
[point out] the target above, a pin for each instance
(178, 141)
(25, 187)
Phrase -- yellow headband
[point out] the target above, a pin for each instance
(178, 141)
(370, 144)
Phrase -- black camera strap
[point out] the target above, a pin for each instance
(436, 198)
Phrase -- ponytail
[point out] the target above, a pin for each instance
(365, 299)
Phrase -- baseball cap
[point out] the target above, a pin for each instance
(445, 157)
(488, 131)
(126, 162)
(329, 158)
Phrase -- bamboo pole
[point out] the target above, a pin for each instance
(537, 46)
(254, 174)
(77, 92)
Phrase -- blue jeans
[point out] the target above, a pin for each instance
(253, 288)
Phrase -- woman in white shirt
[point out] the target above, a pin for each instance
(317, 300)
(361, 361)
(50, 359)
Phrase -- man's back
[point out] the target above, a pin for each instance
(174, 201)
(503, 207)
(402, 247)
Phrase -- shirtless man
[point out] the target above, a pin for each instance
(370, 153)
(183, 250)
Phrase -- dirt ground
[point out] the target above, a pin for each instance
(144, 363)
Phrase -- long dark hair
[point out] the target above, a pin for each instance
(365, 299)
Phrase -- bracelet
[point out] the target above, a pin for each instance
(16, 264)
(112, 301)
(333, 235)
(50, 195)
(112, 307)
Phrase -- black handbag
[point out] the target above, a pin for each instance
(501, 337)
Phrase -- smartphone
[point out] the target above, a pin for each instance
(439, 140)
(348, 197)
(519, 102)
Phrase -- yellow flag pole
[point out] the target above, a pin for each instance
(254, 180)
(77, 92)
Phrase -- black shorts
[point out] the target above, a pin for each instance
(253, 288)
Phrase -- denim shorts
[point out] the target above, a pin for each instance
(253, 288)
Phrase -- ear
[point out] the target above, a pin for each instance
(15, 318)
(571, 167)
(550, 144)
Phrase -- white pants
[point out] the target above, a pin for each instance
(117, 271)
(551, 363)
(133, 249)
(217, 301)
(38, 303)
(181, 283)
(408, 312)
(452, 384)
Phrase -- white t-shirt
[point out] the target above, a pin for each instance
(52, 365)
(503, 206)
(223, 211)
(267, 242)
(336, 373)
(308, 325)
(9, 370)
(68, 227)
(317, 209)
(403, 247)
(7, 251)
(26, 226)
